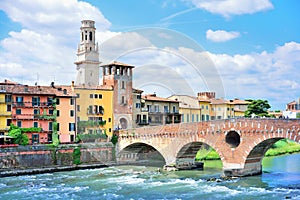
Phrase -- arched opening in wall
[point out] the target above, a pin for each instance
(141, 154)
(233, 139)
(123, 123)
(194, 154)
(265, 155)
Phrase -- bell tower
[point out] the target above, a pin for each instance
(87, 56)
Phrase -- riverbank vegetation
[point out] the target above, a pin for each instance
(281, 147)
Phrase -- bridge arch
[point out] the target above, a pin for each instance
(140, 152)
(256, 151)
(187, 152)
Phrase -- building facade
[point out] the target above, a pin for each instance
(140, 114)
(40, 107)
(161, 110)
(119, 76)
(94, 110)
(188, 108)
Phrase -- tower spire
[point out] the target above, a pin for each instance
(87, 55)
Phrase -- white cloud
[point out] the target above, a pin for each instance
(221, 35)
(45, 48)
(229, 8)
(269, 75)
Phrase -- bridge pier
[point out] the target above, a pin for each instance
(249, 169)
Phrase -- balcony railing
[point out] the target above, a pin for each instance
(32, 104)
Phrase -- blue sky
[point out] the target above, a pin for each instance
(253, 47)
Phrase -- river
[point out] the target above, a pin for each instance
(280, 180)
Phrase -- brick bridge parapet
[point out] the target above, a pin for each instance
(241, 143)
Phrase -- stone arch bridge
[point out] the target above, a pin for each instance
(240, 143)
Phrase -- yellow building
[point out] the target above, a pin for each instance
(94, 108)
(204, 99)
(221, 109)
(5, 111)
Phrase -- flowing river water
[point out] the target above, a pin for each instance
(280, 180)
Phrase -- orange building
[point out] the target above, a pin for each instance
(35, 107)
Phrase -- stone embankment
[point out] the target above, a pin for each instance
(38, 159)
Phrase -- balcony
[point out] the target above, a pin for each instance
(142, 122)
(32, 104)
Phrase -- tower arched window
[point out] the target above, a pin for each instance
(91, 36)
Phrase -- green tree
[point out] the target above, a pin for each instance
(258, 107)
(298, 115)
(18, 135)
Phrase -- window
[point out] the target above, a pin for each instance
(72, 138)
(35, 101)
(35, 124)
(50, 125)
(90, 36)
(8, 108)
(109, 130)
(71, 126)
(90, 110)
(91, 96)
(202, 117)
(35, 138)
(206, 107)
(166, 109)
(193, 118)
(100, 96)
(123, 85)
(57, 113)
(18, 111)
(51, 112)
(187, 118)
(71, 113)
(156, 108)
(182, 118)
(109, 119)
(8, 122)
(36, 111)
(149, 108)
(174, 109)
(207, 117)
(49, 101)
(197, 117)
(78, 107)
(57, 101)
(7, 98)
(96, 96)
(49, 138)
(58, 126)
(138, 96)
(138, 105)
(19, 124)
(202, 107)
(19, 101)
(78, 95)
(123, 100)
(72, 101)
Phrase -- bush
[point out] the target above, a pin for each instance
(114, 139)
(76, 156)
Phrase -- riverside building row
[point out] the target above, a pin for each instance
(94, 105)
